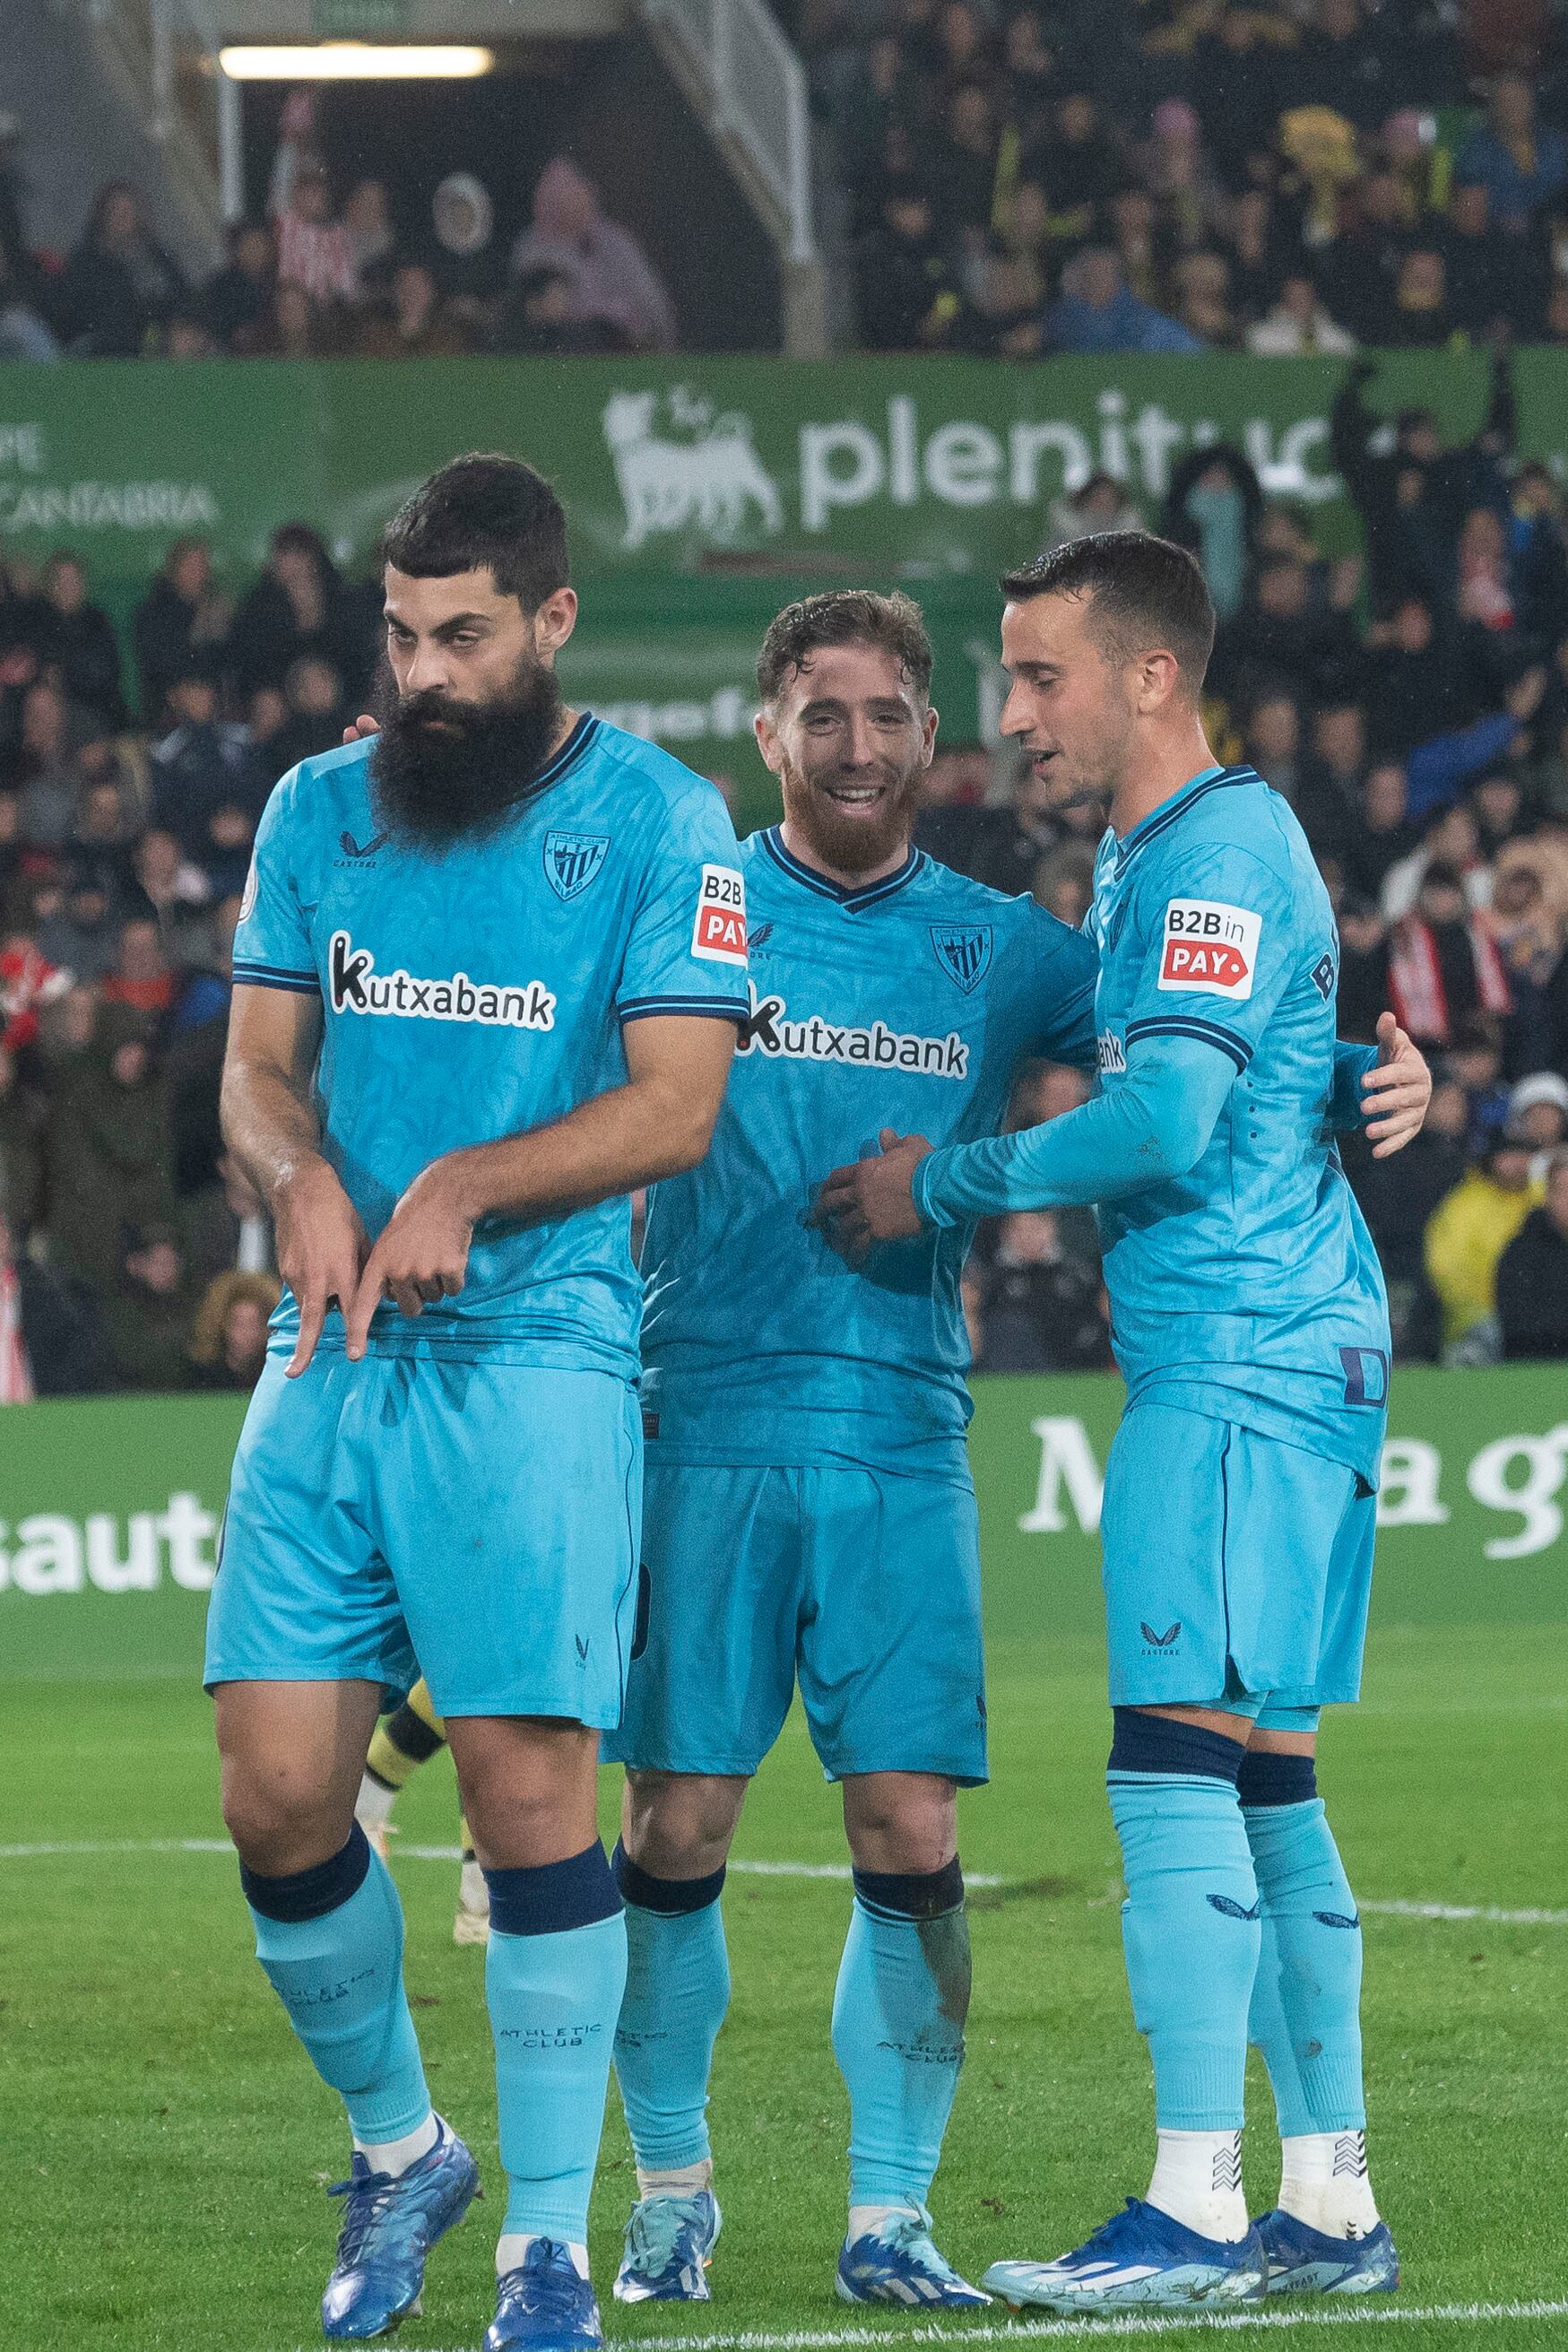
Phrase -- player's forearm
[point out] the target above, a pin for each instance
(270, 1123)
(635, 1135)
(1154, 1126)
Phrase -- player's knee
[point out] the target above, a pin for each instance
(679, 1825)
(905, 1823)
(281, 1821)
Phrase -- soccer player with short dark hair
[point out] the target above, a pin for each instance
(1249, 1316)
(488, 981)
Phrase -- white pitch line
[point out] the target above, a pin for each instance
(850, 2340)
(1489, 1915)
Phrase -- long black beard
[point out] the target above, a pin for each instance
(849, 845)
(432, 786)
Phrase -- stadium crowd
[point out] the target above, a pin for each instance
(1424, 750)
(1142, 175)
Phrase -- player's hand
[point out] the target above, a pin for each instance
(871, 1201)
(421, 1258)
(1394, 1095)
(361, 729)
(322, 1247)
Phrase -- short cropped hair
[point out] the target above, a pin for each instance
(845, 616)
(1145, 591)
(483, 512)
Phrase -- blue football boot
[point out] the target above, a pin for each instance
(545, 2303)
(1140, 2259)
(390, 2224)
(1302, 2261)
(669, 2244)
(900, 2263)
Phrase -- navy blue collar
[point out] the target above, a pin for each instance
(851, 901)
(1168, 812)
(570, 751)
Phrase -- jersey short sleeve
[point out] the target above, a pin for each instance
(685, 952)
(272, 941)
(1217, 940)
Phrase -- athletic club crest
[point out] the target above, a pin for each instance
(963, 953)
(572, 860)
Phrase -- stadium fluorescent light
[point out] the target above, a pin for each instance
(355, 61)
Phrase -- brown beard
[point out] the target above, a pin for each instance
(849, 845)
(434, 787)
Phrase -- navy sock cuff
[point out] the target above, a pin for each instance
(1164, 1744)
(670, 1898)
(1269, 1778)
(310, 1894)
(553, 1896)
(911, 1893)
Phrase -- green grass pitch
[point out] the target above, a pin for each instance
(165, 2144)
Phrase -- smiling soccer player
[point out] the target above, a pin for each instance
(1249, 1316)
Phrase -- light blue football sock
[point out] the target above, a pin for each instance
(1306, 2001)
(331, 1940)
(899, 2008)
(677, 1992)
(554, 1973)
(1190, 1922)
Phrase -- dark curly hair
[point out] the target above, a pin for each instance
(845, 616)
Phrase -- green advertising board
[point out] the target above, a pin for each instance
(110, 1513)
(702, 493)
(866, 468)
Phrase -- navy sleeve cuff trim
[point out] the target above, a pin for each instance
(705, 1008)
(267, 975)
(1207, 1033)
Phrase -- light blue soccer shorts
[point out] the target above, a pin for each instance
(1237, 1567)
(862, 1584)
(472, 1520)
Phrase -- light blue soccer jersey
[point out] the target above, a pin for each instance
(472, 995)
(1243, 1281)
(909, 1004)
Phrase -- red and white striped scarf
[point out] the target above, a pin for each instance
(16, 1371)
(1415, 979)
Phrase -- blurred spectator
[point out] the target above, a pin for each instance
(21, 1147)
(612, 277)
(461, 252)
(1411, 495)
(1214, 506)
(147, 1313)
(372, 239)
(25, 330)
(1101, 504)
(181, 627)
(1442, 964)
(81, 646)
(109, 1160)
(908, 288)
(238, 300)
(316, 715)
(1466, 1238)
(315, 251)
(45, 766)
(298, 607)
(1095, 312)
(1040, 1309)
(228, 1337)
(537, 318)
(200, 770)
(1533, 1274)
(1523, 167)
(1399, 1197)
(415, 322)
(1297, 326)
(51, 1337)
(118, 284)
(141, 977)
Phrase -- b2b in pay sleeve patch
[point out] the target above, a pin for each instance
(1211, 946)
(718, 935)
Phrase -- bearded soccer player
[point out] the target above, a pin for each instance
(488, 981)
(1249, 1316)
(809, 1514)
